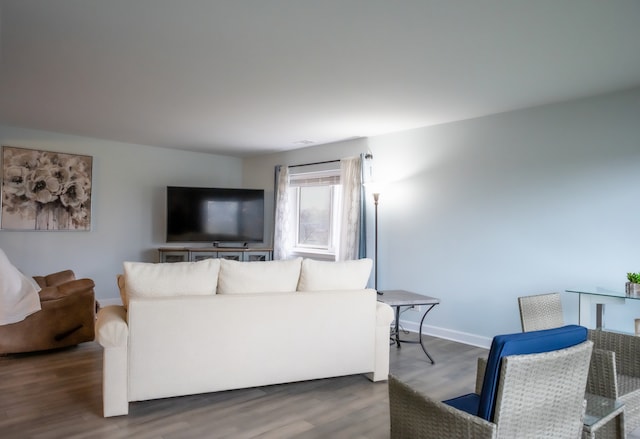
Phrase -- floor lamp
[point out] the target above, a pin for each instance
(376, 196)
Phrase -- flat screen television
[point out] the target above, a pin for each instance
(216, 215)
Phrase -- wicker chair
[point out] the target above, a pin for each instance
(542, 311)
(617, 375)
(615, 364)
(536, 395)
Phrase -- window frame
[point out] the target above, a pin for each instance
(327, 177)
(334, 222)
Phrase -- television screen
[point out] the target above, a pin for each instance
(214, 214)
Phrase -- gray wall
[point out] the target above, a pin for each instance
(482, 211)
(128, 205)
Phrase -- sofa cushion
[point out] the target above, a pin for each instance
(330, 275)
(259, 277)
(143, 279)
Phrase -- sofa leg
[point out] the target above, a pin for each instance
(377, 376)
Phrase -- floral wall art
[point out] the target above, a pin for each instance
(44, 190)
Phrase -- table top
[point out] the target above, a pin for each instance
(599, 408)
(405, 298)
(599, 291)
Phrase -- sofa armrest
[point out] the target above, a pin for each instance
(384, 317)
(66, 289)
(112, 330)
(416, 415)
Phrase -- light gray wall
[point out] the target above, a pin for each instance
(128, 205)
(482, 211)
(476, 212)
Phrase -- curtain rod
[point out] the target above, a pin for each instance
(314, 163)
(367, 156)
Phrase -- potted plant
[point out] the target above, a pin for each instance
(633, 286)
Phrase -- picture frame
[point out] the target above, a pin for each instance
(45, 190)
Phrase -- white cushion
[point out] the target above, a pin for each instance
(143, 279)
(259, 277)
(328, 275)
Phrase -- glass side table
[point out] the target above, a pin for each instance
(599, 412)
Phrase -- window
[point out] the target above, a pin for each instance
(315, 197)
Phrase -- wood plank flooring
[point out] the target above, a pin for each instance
(58, 395)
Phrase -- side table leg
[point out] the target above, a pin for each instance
(397, 326)
(599, 315)
(420, 333)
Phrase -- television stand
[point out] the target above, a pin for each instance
(194, 254)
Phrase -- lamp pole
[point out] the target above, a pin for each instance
(376, 196)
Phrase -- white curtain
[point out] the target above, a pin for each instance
(351, 181)
(282, 220)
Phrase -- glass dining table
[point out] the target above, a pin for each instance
(587, 297)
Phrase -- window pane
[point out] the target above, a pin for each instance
(314, 223)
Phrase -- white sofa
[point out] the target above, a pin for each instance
(196, 327)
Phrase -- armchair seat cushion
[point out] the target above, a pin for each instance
(468, 403)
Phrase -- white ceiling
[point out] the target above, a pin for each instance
(243, 77)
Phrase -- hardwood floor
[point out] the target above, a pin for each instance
(58, 395)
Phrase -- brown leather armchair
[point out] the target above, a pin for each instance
(67, 316)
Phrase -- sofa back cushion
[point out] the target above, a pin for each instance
(142, 279)
(258, 277)
(330, 275)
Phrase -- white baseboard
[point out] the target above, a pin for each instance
(448, 334)
(107, 302)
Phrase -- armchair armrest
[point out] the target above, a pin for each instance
(66, 289)
(602, 374)
(482, 366)
(625, 346)
(415, 415)
(54, 279)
